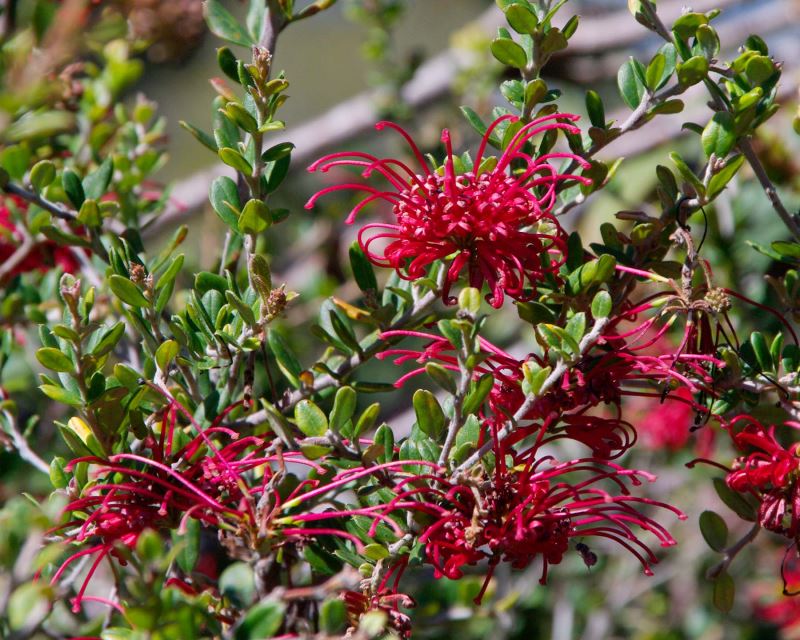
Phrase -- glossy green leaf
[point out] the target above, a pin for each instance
(224, 198)
(521, 18)
(166, 353)
(344, 407)
(73, 188)
(509, 53)
(719, 136)
(262, 621)
(127, 291)
(714, 530)
(310, 418)
(254, 218)
(601, 304)
(692, 71)
(594, 107)
(222, 23)
(629, 82)
(54, 360)
(96, 183)
(430, 416)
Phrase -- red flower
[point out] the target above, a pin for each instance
(494, 220)
(41, 256)
(770, 472)
(520, 515)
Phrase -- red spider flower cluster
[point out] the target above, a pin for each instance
(41, 256)
(493, 221)
(769, 471)
(532, 511)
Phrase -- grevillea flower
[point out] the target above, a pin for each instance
(41, 256)
(769, 471)
(534, 510)
(493, 221)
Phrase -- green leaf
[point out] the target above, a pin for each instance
(205, 281)
(14, 159)
(96, 183)
(236, 160)
(228, 63)
(441, 376)
(276, 171)
(630, 85)
(261, 621)
(237, 583)
(601, 304)
(224, 198)
(89, 214)
(719, 136)
(724, 592)
(576, 326)
(256, 14)
(287, 362)
(189, 544)
(223, 24)
(58, 476)
(42, 175)
(655, 71)
(594, 107)
(254, 218)
(714, 530)
(363, 272)
(521, 18)
(244, 310)
(477, 123)
(686, 173)
(367, 419)
(535, 92)
(735, 501)
(278, 151)
(692, 71)
(430, 416)
(73, 188)
(55, 360)
(344, 407)
(201, 136)
(759, 69)
(761, 349)
(310, 418)
(166, 353)
(333, 614)
(27, 607)
(476, 397)
(109, 340)
(509, 53)
(127, 291)
(553, 41)
(686, 26)
(384, 438)
(708, 41)
(59, 394)
(720, 179)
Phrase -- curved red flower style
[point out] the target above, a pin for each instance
(769, 471)
(519, 515)
(494, 221)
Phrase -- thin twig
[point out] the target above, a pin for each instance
(21, 445)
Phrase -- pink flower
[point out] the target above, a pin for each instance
(494, 221)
